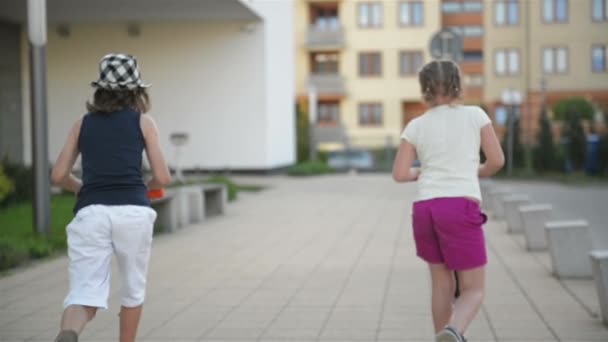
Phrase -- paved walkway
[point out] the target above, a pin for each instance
(324, 259)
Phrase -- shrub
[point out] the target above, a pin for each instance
(578, 107)
(302, 136)
(6, 185)
(309, 168)
(22, 178)
(233, 189)
(518, 149)
(572, 111)
(544, 154)
(11, 254)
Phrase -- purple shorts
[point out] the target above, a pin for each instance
(449, 231)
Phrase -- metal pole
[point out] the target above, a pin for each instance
(40, 154)
(510, 138)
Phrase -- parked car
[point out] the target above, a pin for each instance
(351, 159)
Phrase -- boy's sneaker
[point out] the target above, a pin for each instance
(449, 334)
(67, 336)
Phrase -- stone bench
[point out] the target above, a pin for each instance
(215, 199)
(168, 213)
(533, 218)
(569, 245)
(599, 265)
(496, 204)
(511, 206)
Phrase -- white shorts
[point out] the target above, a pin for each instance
(94, 235)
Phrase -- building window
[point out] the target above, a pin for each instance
(324, 17)
(555, 11)
(370, 14)
(472, 56)
(328, 112)
(370, 64)
(459, 6)
(411, 13)
(410, 62)
(555, 60)
(324, 63)
(473, 80)
(599, 57)
(506, 12)
(506, 62)
(600, 10)
(370, 114)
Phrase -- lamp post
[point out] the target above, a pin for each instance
(178, 140)
(36, 19)
(511, 98)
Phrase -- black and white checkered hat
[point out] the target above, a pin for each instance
(119, 71)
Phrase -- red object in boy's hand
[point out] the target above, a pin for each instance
(156, 194)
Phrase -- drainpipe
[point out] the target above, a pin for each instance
(36, 19)
(529, 123)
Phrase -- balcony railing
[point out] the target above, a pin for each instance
(328, 84)
(325, 37)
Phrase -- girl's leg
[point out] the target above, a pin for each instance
(129, 321)
(472, 285)
(75, 317)
(442, 298)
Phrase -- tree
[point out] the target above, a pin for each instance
(518, 149)
(545, 157)
(572, 112)
(303, 139)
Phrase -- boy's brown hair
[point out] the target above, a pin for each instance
(440, 78)
(108, 101)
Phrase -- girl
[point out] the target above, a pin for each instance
(112, 213)
(447, 220)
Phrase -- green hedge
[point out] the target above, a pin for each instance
(19, 243)
(309, 168)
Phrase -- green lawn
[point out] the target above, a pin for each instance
(19, 243)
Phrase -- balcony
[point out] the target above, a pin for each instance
(328, 84)
(472, 67)
(472, 43)
(325, 38)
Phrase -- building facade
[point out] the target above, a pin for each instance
(361, 57)
(221, 71)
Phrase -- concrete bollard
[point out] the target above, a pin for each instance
(496, 205)
(511, 206)
(599, 265)
(569, 244)
(486, 187)
(533, 218)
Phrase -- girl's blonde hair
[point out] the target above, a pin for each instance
(440, 78)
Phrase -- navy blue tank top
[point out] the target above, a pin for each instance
(111, 147)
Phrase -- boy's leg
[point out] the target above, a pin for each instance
(472, 285)
(442, 298)
(129, 321)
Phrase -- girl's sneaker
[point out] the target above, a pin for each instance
(67, 336)
(449, 334)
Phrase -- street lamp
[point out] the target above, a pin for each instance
(36, 20)
(512, 99)
(178, 140)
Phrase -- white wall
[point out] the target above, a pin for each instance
(279, 69)
(208, 79)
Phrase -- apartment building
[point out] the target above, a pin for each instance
(362, 56)
(548, 50)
